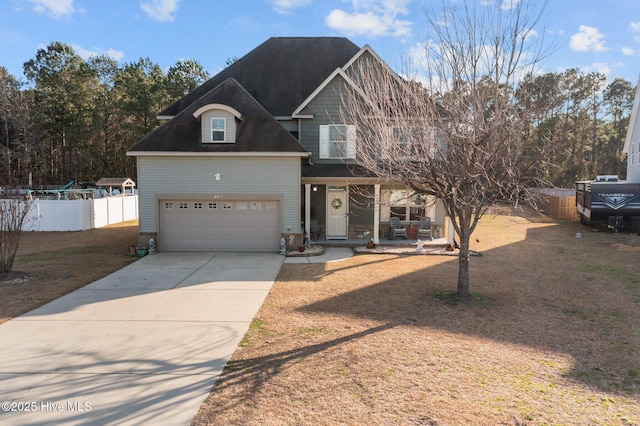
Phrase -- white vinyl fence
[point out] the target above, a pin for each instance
(80, 215)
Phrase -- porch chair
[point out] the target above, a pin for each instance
(396, 230)
(424, 229)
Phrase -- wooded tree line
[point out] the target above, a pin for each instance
(74, 119)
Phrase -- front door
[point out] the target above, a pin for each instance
(337, 219)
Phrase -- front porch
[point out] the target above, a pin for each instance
(398, 242)
(344, 214)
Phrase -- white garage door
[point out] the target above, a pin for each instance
(205, 225)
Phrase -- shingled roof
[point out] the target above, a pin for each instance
(280, 73)
(257, 132)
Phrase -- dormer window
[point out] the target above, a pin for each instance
(219, 123)
(218, 129)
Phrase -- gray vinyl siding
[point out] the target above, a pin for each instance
(325, 109)
(290, 125)
(360, 205)
(230, 125)
(278, 176)
(319, 205)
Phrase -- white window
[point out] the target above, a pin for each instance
(183, 206)
(337, 141)
(397, 143)
(219, 129)
(412, 142)
(197, 206)
(168, 205)
(213, 206)
(227, 206)
(405, 205)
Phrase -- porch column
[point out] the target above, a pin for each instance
(307, 210)
(376, 213)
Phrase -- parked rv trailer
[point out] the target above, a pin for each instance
(606, 200)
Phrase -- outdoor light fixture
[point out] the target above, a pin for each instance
(315, 188)
(217, 176)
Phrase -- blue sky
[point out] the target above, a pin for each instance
(593, 35)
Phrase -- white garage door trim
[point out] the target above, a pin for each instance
(202, 224)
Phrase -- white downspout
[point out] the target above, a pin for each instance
(376, 214)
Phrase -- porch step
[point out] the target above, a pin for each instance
(353, 243)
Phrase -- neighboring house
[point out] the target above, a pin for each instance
(258, 152)
(632, 141)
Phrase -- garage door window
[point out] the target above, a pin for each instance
(227, 206)
(168, 205)
(183, 206)
(213, 206)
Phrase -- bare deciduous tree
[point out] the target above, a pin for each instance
(13, 213)
(457, 136)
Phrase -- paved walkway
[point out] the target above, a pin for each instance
(331, 254)
(143, 345)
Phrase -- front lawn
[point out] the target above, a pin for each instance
(552, 336)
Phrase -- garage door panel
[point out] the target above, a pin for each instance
(204, 225)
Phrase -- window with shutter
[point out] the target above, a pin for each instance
(337, 141)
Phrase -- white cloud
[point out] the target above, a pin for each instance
(601, 67)
(502, 4)
(373, 18)
(587, 39)
(529, 34)
(628, 51)
(54, 8)
(286, 6)
(635, 27)
(88, 53)
(160, 10)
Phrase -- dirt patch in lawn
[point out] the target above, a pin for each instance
(51, 264)
(552, 336)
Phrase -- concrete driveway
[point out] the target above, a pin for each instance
(143, 345)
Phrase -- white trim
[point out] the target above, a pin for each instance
(345, 191)
(376, 213)
(325, 83)
(307, 210)
(215, 154)
(214, 130)
(324, 142)
(366, 48)
(223, 107)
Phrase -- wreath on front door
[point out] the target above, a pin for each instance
(336, 203)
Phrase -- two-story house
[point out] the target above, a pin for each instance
(258, 151)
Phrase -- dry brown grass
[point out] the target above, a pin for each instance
(552, 337)
(57, 263)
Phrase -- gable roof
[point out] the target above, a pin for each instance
(280, 73)
(258, 131)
